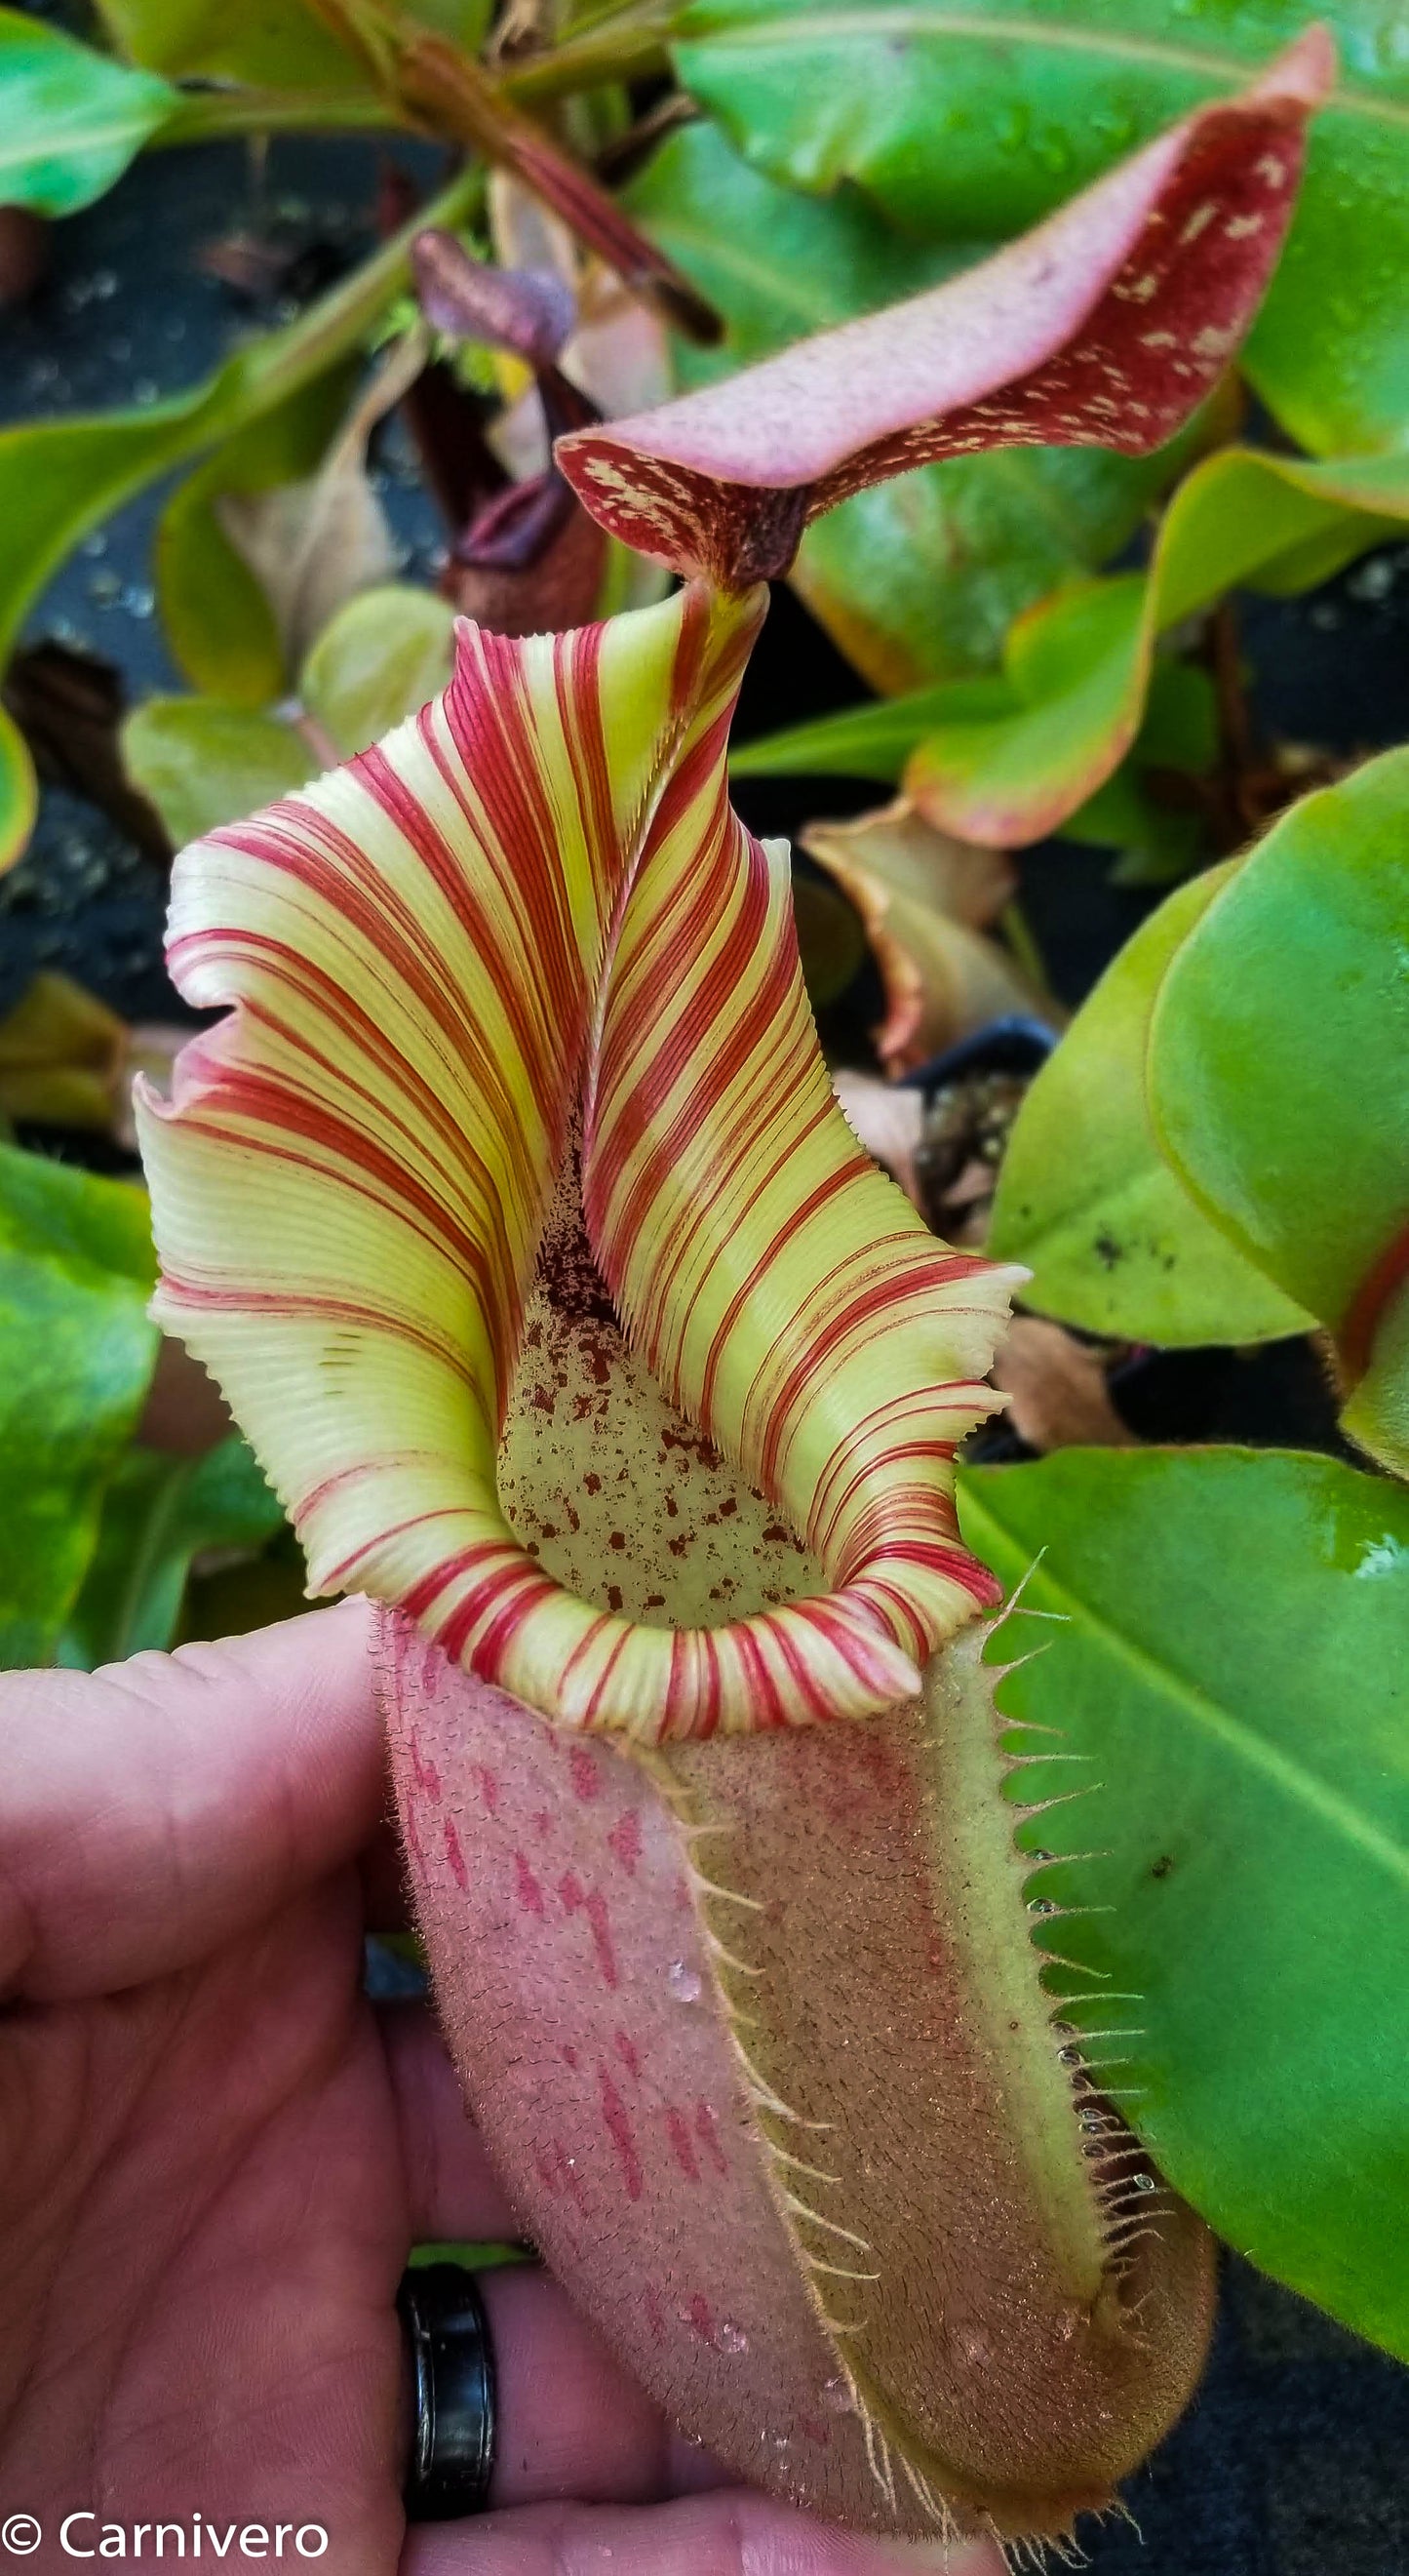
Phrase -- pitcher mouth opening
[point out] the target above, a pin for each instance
(610, 1489)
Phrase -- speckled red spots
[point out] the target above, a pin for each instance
(700, 2315)
(424, 1772)
(527, 1889)
(488, 1787)
(576, 1900)
(583, 1772)
(681, 2143)
(629, 2054)
(624, 1840)
(619, 2130)
(455, 1855)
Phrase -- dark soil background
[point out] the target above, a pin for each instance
(1293, 2462)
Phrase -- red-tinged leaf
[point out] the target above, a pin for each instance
(535, 896)
(925, 899)
(1082, 667)
(757, 2033)
(1105, 326)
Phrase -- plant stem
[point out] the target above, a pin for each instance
(621, 48)
(208, 115)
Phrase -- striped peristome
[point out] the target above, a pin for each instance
(533, 901)
(535, 897)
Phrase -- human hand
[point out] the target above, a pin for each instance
(215, 2153)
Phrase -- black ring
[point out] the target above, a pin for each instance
(453, 2393)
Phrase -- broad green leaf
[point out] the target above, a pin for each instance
(76, 1353)
(269, 44)
(1232, 1688)
(1082, 663)
(1113, 1239)
(983, 117)
(1157, 843)
(70, 120)
(203, 764)
(160, 1513)
(1080, 686)
(60, 478)
(217, 616)
(379, 659)
(1279, 1073)
(918, 579)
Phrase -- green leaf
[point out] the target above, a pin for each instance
(1279, 1073)
(380, 658)
(919, 579)
(877, 740)
(870, 741)
(1232, 1686)
(70, 120)
(76, 1354)
(268, 44)
(159, 1515)
(19, 791)
(217, 616)
(1085, 1198)
(60, 478)
(986, 116)
(203, 764)
(1082, 663)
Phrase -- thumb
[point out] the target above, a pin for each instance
(160, 1807)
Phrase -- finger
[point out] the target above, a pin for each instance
(158, 1808)
(452, 2189)
(729, 2533)
(571, 2423)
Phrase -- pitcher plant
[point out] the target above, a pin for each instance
(510, 1205)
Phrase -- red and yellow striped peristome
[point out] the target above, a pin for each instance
(529, 918)
(532, 900)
